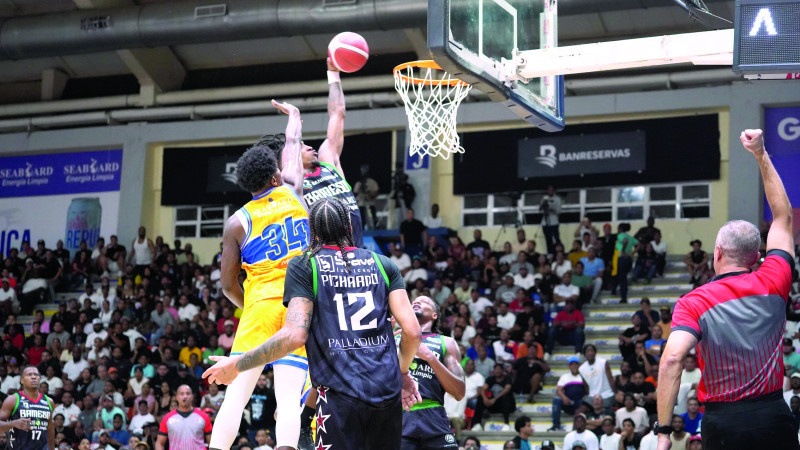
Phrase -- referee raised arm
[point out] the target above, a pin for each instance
(737, 321)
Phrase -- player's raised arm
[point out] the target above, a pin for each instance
(231, 263)
(331, 149)
(291, 156)
(780, 235)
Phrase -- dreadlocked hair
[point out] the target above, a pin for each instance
(329, 221)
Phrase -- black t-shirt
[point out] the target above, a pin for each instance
(525, 368)
(412, 232)
(637, 364)
(634, 443)
(50, 268)
(496, 385)
(634, 333)
(644, 389)
(262, 408)
(115, 252)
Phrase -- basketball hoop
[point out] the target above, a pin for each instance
(431, 97)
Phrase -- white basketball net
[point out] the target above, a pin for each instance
(431, 108)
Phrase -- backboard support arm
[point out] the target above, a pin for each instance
(702, 48)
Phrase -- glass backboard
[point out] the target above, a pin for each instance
(470, 39)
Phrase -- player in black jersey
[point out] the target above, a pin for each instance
(324, 176)
(437, 369)
(339, 301)
(25, 416)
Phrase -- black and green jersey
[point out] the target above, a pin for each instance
(39, 412)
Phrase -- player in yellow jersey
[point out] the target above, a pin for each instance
(261, 238)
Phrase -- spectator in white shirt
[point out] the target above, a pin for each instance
(524, 279)
(580, 433)
(610, 439)
(660, 249)
(73, 368)
(417, 272)
(400, 258)
(68, 409)
(97, 332)
(561, 265)
(509, 257)
(473, 381)
(636, 413)
(141, 418)
(187, 311)
(106, 293)
(92, 295)
(131, 333)
(98, 351)
(504, 347)
(433, 221)
(565, 291)
(597, 373)
(105, 313)
(477, 305)
(468, 331)
(53, 382)
(690, 379)
(505, 318)
(8, 299)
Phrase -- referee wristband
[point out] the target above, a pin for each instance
(333, 77)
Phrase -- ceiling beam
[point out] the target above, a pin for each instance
(102, 4)
(157, 69)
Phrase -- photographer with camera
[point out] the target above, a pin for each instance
(550, 209)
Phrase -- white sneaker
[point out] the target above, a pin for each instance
(505, 427)
(546, 356)
(477, 427)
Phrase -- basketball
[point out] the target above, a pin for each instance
(348, 51)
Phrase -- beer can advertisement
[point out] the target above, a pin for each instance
(71, 197)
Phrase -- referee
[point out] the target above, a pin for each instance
(736, 322)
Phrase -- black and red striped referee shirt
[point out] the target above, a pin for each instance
(738, 319)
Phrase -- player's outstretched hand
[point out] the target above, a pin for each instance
(23, 424)
(224, 371)
(410, 394)
(753, 141)
(286, 108)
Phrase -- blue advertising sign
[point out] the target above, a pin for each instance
(60, 173)
(782, 140)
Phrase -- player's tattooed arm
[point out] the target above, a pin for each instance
(292, 336)
(331, 149)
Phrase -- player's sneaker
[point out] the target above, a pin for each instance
(306, 441)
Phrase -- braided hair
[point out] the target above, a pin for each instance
(329, 220)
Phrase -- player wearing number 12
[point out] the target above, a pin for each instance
(262, 237)
(339, 300)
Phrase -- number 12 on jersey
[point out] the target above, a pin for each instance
(358, 317)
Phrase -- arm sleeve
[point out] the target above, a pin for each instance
(207, 428)
(395, 279)
(686, 318)
(162, 429)
(299, 280)
(776, 272)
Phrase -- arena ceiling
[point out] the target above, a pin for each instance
(33, 55)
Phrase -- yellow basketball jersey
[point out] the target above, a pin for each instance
(276, 230)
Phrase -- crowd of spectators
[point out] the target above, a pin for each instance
(112, 358)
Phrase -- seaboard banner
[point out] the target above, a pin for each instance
(71, 197)
(582, 154)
